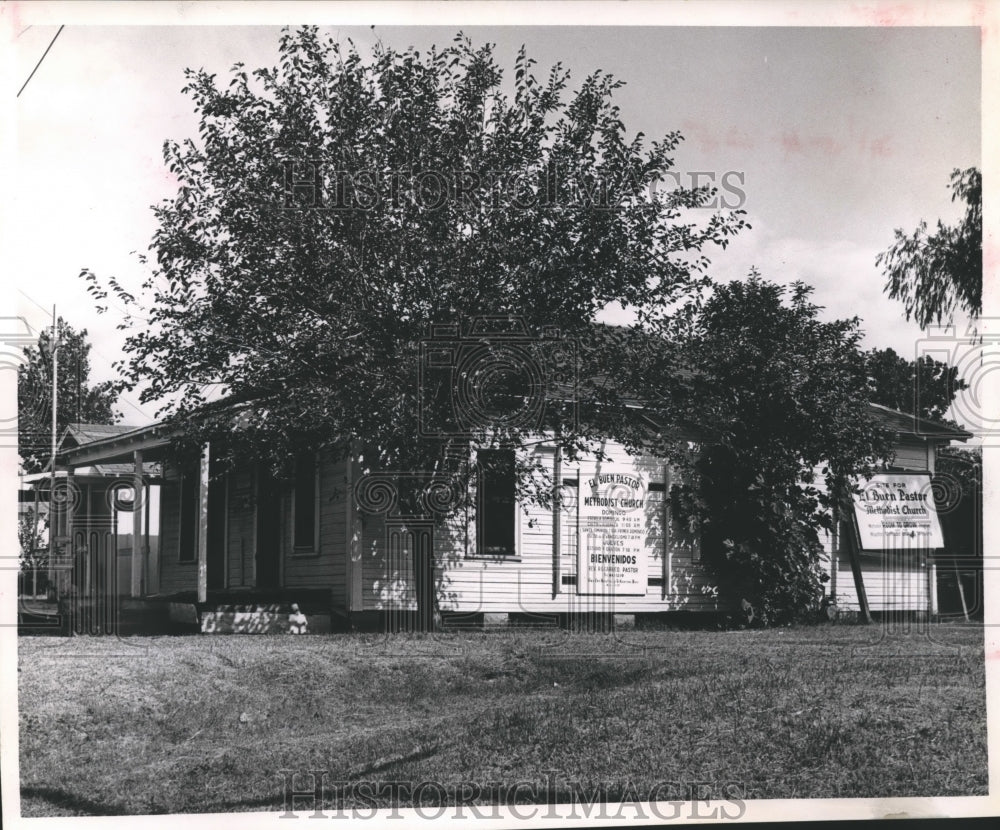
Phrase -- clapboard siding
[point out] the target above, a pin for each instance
(897, 582)
(333, 493)
(326, 567)
(911, 455)
(387, 581)
(530, 584)
(175, 576)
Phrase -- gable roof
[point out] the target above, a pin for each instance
(81, 435)
(97, 442)
(76, 434)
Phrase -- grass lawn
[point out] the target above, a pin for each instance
(205, 723)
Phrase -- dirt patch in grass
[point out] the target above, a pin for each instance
(197, 724)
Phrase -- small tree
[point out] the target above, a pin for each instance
(935, 274)
(925, 387)
(32, 537)
(779, 399)
(79, 401)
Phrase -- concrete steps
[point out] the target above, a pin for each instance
(262, 618)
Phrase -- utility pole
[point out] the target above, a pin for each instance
(52, 459)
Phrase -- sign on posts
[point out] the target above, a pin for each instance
(895, 511)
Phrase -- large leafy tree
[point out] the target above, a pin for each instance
(936, 274)
(776, 399)
(78, 401)
(334, 207)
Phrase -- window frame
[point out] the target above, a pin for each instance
(479, 551)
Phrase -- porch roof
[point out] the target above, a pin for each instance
(912, 425)
(116, 448)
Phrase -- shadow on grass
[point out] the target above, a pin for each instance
(80, 805)
(70, 801)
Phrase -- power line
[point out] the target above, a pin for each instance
(28, 296)
(33, 71)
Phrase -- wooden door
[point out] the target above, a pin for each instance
(268, 557)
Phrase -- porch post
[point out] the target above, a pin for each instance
(34, 539)
(90, 549)
(70, 541)
(355, 597)
(932, 586)
(138, 577)
(151, 566)
(668, 526)
(834, 554)
(203, 524)
(556, 518)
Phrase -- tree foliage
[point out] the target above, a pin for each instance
(32, 538)
(959, 496)
(777, 400)
(935, 274)
(78, 401)
(334, 207)
(925, 387)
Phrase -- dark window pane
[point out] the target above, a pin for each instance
(497, 504)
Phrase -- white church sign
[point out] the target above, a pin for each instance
(612, 549)
(897, 510)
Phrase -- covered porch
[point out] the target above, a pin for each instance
(86, 513)
(206, 574)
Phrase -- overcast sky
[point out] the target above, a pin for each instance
(839, 135)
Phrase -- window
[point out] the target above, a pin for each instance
(305, 502)
(189, 514)
(497, 513)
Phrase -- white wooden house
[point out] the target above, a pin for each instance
(609, 546)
